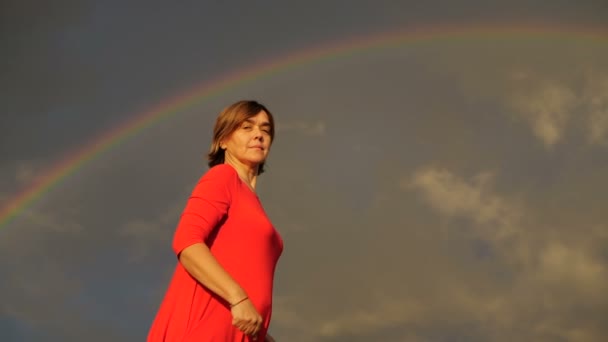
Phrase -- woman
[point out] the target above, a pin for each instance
(227, 248)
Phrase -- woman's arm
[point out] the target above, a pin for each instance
(202, 265)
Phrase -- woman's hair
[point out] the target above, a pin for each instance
(229, 120)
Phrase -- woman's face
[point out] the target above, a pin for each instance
(250, 143)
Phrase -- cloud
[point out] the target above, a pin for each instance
(142, 235)
(595, 97)
(556, 284)
(62, 274)
(37, 294)
(317, 128)
(453, 196)
(16, 175)
(146, 235)
(286, 316)
(399, 316)
(547, 108)
(50, 223)
(386, 312)
(567, 264)
(553, 107)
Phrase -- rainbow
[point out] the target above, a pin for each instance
(164, 110)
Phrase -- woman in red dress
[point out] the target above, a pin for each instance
(227, 248)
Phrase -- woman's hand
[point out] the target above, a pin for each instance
(246, 318)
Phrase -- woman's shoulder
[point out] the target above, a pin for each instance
(220, 172)
(219, 179)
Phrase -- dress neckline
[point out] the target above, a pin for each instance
(242, 181)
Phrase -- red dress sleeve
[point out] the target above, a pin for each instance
(206, 207)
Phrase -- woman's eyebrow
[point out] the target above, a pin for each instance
(251, 121)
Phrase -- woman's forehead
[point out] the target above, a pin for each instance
(260, 118)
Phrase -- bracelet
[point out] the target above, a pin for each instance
(239, 302)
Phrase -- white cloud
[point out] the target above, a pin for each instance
(547, 108)
(552, 277)
(573, 266)
(596, 99)
(598, 126)
(550, 107)
(421, 313)
(454, 196)
(385, 312)
(286, 314)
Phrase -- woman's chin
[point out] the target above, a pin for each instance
(255, 161)
(258, 160)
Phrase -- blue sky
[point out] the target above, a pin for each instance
(446, 191)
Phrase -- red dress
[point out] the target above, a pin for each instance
(225, 214)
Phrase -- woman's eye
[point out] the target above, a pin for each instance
(247, 127)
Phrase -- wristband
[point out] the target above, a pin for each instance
(239, 302)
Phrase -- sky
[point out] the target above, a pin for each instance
(440, 189)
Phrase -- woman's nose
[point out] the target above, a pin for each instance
(257, 132)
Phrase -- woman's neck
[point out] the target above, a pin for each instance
(247, 174)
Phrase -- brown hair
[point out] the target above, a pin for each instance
(228, 121)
